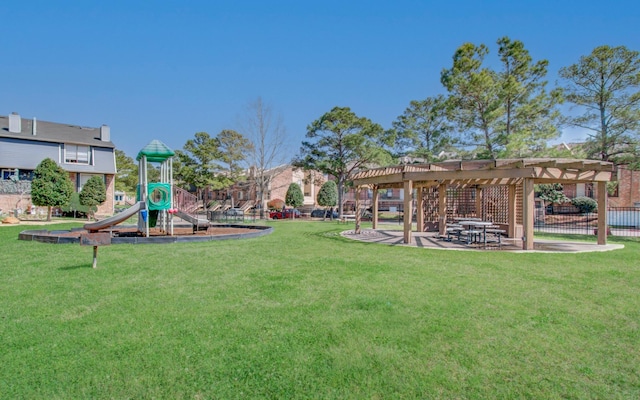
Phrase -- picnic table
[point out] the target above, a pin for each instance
(474, 231)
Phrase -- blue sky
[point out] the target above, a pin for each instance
(168, 69)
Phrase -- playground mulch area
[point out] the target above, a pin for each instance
(177, 231)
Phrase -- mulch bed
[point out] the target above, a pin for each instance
(211, 231)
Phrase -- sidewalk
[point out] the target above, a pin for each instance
(431, 240)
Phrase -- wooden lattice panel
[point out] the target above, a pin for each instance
(461, 202)
(430, 210)
(495, 204)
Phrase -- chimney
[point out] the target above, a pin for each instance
(33, 127)
(105, 133)
(15, 123)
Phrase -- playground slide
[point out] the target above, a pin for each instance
(198, 224)
(116, 219)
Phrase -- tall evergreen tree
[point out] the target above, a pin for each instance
(127, 175)
(340, 143)
(198, 162)
(605, 86)
(51, 186)
(233, 149)
(423, 130)
(505, 113)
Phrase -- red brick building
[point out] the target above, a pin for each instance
(627, 194)
(245, 194)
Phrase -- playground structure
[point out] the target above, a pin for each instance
(156, 205)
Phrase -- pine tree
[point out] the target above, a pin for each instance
(605, 87)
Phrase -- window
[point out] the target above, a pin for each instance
(77, 154)
(389, 193)
(26, 175)
(10, 174)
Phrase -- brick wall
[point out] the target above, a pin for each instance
(279, 185)
(628, 193)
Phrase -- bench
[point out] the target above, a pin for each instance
(453, 230)
(347, 218)
(497, 234)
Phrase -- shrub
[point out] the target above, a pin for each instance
(51, 186)
(275, 204)
(75, 209)
(585, 204)
(328, 195)
(294, 197)
(551, 193)
(93, 193)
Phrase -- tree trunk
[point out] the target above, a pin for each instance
(340, 196)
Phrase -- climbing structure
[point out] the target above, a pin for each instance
(156, 195)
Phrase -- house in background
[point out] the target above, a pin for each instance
(81, 151)
(245, 195)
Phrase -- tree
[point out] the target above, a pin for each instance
(74, 207)
(328, 196)
(233, 149)
(267, 135)
(92, 194)
(339, 144)
(51, 186)
(127, 176)
(551, 193)
(423, 130)
(506, 113)
(605, 86)
(294, 196)
(197, 162)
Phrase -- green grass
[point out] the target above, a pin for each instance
(303, 313)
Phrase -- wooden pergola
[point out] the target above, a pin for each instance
(518, 175)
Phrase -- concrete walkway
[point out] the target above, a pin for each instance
(431, 240)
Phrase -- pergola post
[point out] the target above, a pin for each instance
(358, 215)
(374, 211)
(527, 214)
(419, 210)
(442, 209)
(511, 230)
(602, 213)
(408, 212)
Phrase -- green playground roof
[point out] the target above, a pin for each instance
(155, 151)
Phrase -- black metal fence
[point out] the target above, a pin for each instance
(622, 221)
(229, 217)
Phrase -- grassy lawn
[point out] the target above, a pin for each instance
(304, 313)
